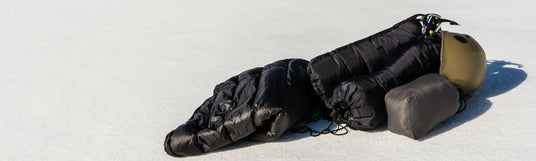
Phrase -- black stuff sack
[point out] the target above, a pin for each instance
(413, 109)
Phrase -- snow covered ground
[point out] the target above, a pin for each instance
(108, 79)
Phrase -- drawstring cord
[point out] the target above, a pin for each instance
(339, 127)
(327, 130)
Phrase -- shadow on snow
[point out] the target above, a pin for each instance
(501, 77)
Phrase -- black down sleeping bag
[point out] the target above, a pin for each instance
(259, 104)
(359, 102)
(362, 57)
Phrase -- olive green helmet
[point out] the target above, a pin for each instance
(463, 61)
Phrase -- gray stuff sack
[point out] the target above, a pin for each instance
(413, 109)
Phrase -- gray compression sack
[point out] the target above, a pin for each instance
(415, 108)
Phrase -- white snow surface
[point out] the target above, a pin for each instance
(108, 79)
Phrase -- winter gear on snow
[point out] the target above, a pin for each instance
(349, 84)
(362, 57)
(359, 102)
(413, 109)
(259, 104)
(463, 61)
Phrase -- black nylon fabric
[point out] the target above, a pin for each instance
(359, 102)
(258, 104)
(361, 57)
